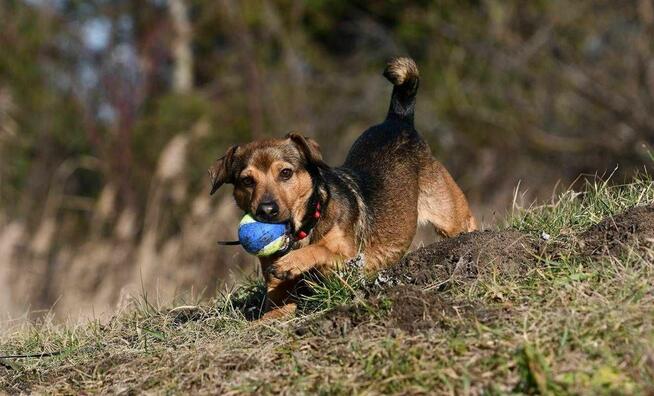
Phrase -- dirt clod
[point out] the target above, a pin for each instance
(414, 309)
(337, 322)
(610, 236)
(463, 257)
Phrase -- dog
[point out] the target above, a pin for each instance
(371, 205)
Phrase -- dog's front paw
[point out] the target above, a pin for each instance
(285, 268)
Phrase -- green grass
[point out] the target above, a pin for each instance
(341, 287)
(569, 325)
(574, 211)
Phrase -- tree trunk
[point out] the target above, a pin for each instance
(181, 46)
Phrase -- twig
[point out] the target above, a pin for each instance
(25, 356)
(32, 355)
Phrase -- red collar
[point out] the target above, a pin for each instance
(305, 230)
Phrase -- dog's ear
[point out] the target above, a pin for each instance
(221, 170)
(308, 147)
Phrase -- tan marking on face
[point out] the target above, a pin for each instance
(264, 167)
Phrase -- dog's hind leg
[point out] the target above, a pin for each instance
(441, 202)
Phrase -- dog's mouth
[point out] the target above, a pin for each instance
(288, 220)
(292, 224)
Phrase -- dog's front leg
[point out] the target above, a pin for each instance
(279, 293)
(282, 276)
(334, 247)
(283, 273)
(299, 261)
(279, 299)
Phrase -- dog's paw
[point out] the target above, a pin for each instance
(286, 269)
(278, 312)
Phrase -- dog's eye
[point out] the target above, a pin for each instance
(286, 173)
(247, 181)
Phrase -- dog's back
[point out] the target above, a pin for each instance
(398, 179)
(396, 134)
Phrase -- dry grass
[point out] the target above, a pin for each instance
(569, 324)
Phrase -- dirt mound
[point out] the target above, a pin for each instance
(409, 296)
(405, 307)
(610, 236)
(337, 322)
(414, 309)
(461, 258)
(410, 308)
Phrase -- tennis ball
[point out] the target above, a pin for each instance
(263, 239)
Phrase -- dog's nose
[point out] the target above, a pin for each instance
(267, 210)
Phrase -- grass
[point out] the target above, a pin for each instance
(569, 325)
(573, 211)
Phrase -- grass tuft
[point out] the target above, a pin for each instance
(573, 211)
(338, 288)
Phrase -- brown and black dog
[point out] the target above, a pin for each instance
(370, 205)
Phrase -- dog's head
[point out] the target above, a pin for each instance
(272, 178)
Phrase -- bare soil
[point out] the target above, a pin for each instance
(613, 235)
(411, 295)
(463, 258)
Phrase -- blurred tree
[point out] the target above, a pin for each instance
(570, 81)
(537, 91)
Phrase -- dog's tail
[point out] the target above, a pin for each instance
(403, 73)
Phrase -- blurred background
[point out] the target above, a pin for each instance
(111, 112)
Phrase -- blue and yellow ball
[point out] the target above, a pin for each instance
(263, 239)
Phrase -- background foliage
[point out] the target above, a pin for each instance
(110, 112)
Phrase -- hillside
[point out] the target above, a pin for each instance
(560, 300)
